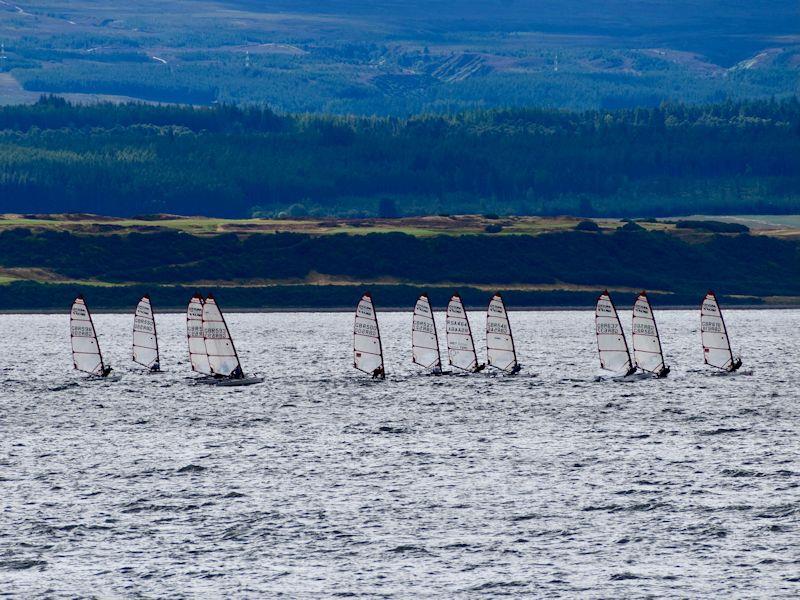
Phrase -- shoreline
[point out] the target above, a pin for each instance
(388, 309)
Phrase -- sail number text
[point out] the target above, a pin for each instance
(367, 329)
(608, 328)
(422, 326)
(81, 331)
(500, 328)
(143, 324)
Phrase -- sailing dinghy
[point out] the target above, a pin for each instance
(223, 359)
(647, 351)
(460, 345)
(611, 343)
(424, 341)
(86, 354)
(500, 351)
(198, 356)
(367, 348)
(716, 345)
(145, 338)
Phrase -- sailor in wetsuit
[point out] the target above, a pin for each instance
(663, 372)
(517, 368)
(106, 372)
(237, 373)
(737, 362)
(379, 373)
(156, 366)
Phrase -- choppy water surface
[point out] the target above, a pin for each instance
(320, 482)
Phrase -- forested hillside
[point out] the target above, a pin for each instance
(401, 58)
(226, 161)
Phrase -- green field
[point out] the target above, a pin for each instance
(772, 225)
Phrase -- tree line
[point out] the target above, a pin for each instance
(633, 257)
(239, 161)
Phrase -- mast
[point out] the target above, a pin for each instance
(647, 351)
(501, 352)
(367, 346)
(611, 343)
(222, 356)
(86, 355)
(423, 328)
(145, 337)
(714, 335)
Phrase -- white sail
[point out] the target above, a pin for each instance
(611, 343)
(500, 351)
(198, 355)
(716, 345)
(367, 349)
(85, 349)
(460, 345)
(145, 338)
(646, 344)
(222, 357)
(424, 341)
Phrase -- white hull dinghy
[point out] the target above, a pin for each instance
(714, 335)
(367, 347)
(223, 359)
(647, 352)
(424, 340)
(86, 355)
(500, 351)
(460, 345)
(611, 343)
(145, 337)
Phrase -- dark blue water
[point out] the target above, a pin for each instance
(320, 482)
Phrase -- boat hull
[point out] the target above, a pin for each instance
(239, 382)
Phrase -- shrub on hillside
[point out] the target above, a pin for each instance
(587, 226)
(713, 226)
(631, 226)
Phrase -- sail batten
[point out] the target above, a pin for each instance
(611, 343)
(145, 337)
(198, 355)
(500, 350)
(424, 339)
(367, 347)
(86, 355)
(647, 351)
(460, 344)
(223, 359)
(714, 335)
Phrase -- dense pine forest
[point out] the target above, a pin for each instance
(240, 161)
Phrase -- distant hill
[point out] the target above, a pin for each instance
(400, 58)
